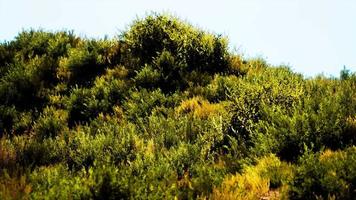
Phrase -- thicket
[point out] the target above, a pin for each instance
(166, 111)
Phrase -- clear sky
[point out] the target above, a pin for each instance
(310, 36)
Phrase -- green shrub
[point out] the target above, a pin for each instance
(88, 60)
(18, 88)
(112, 86)
(316, 119)
(170, 70)
(6, 57)
(194, 49)
(101, 140)
(13, 121)
(140, 104)
(57, 182)
(154, 34)
(32, 43)
(205, 176)
(108, 182)
(147, 77)
(221, 88)
(31, 153)
(83, 106)
(51, 123)
(326, 175)
(108, 90)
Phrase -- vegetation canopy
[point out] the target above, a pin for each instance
(166, 111)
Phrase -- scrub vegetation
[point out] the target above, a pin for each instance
(165, 111)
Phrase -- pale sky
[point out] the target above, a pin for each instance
(310, 36)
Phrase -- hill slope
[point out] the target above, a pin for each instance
(165, 111)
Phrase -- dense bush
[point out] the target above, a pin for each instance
(87, 60)
(326, 175)
(175, 49)
(51, 123)
(256, 182)
(165, 111)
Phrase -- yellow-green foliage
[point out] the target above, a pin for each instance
(199, 107)
(87, 59)
(7, 154)
(351, 128)
(51, 123)
(14, 187)
(267, 179)
(166, 111)
(351, 122)
(160, 33)
(247, 186)
(327, 175)
(238, 66)
(255, 66)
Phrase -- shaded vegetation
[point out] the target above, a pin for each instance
(166, 111)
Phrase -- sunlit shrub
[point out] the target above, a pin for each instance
(147, 77)
(193, 48)
(167, 132)
(350, 130)
(98, 182)
(278, 172)
(151, 177)
(61, 42)
(101, 140)
(247, 186)
(255, 66)
(182, 158)
(117, 72)
(56, 182)
(155, 33)
(88, 60)
(260, 181)
(327, 175)
(140, 104)
(51, 123)
(237, 65)
(199, 107)
(316, 121)
(32, 43)
(221, 88)
(112, 86)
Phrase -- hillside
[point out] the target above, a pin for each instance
(166, 111)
